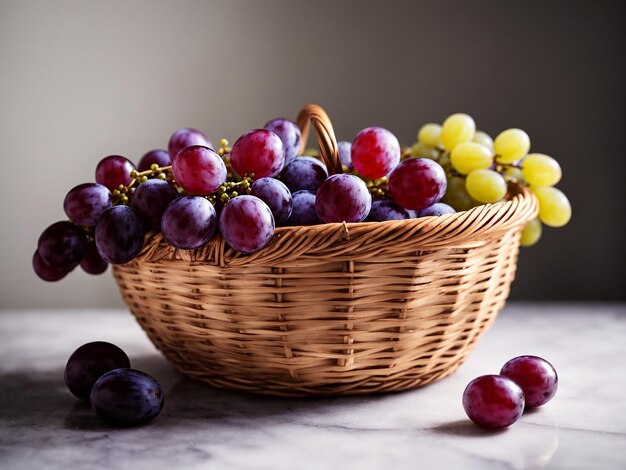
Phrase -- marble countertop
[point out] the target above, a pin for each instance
(584, 426)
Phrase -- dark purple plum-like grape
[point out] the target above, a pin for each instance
(127, 397)
(437, 209)
(151, 199)
(88, 363)
(199, 170)
(189, 222)
(386, 210)
(247, 223)
(62, 245)
(343, 198)
(184, 138)
(84, 203)
(375, 152)
(159, 156)
(417, 183)
(113, 171)
(119, 234)
(259, 152)
(493, 401)
(535, 376)
(303, 211)
(304, 173)
(47, 272)
(345, 158)
(276, 195)
(92, 262)
(289, 134)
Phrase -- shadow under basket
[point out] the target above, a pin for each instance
(331, 309)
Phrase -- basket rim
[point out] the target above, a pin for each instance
(342, 241)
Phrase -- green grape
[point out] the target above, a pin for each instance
(470, 156)
(485, 185)
(421, 150)
(511, 145)
(430, 134)
(456, 195)
(483, 138)
(540, 170)
(444, 160)
(512, 173)
(457, 129)
(554, 207)
(531, 233)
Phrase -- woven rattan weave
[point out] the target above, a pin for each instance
(332, 308)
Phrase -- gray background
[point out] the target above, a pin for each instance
(80, 80)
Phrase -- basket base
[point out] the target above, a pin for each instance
(404, 381)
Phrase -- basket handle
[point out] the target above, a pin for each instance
(314, 114)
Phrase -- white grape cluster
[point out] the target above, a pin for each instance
(479, 167)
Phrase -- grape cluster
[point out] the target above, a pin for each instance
(192, 192)
(478, 168)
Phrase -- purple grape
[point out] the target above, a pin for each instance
(46, 272)
(113, 171)
(184, 138)
(127, 397)
(535, 376)
(289, 133)
(119, 234)
(386, 210)
(304, 173)
(88, 363)
(247, 223)
(92, 262)
(437, 209)
(417, 183)
(151, 199)
(189, 222)
(344, 154)
(259, 152)
(493, 401)
(303, 212)
(276, 195)
(375, 152)
(199, 170)
(86, 202)
(62, 245)
(343, 198)
(160, 157)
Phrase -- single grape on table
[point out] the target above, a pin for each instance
(535, 376)
(493, 401)
(127, 397)
(88, 363)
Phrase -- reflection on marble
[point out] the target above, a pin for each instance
(43, 426)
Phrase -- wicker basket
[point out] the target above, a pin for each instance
(333, 308)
